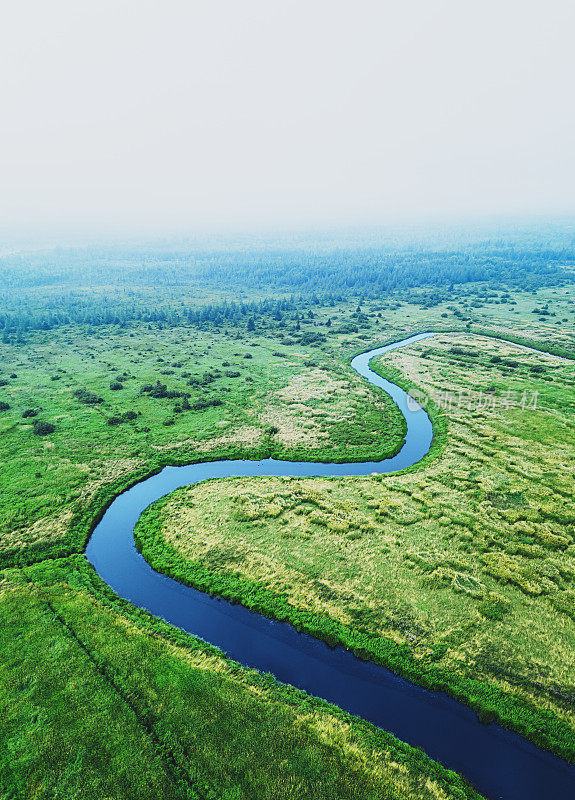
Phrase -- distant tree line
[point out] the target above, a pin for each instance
(109, 312)
(40, 291)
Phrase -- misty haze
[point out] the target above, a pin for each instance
(287, 395)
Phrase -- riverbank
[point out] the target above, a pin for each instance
(489, 699)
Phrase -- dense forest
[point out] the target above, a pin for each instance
(44, 289)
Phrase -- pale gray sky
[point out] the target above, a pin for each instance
(179, 115)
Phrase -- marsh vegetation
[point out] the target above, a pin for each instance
(459, 574)
(462, 569)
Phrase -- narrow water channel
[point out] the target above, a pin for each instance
(501, 764)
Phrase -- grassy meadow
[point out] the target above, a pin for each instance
(458, 573)
(101, 701)
(251, 396)
(468, 564)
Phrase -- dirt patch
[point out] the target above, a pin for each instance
(295, 426)
(246, 436)
(314, 384)
(302, 409)
(108, 472)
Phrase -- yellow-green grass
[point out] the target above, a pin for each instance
(285, 399)
(470, 562)
(100, 700)
(289, 401)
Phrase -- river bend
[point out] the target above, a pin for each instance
(499, 763)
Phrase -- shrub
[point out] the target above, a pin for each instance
(159, 390)
(4, 406)
(465, 351)
(311, 337)
(126, 417)
(494, 606)
(85, 396)
(204, 402)
(564, 602)
(205, 379)
(30, 412)
(115, 385)
(43, 428)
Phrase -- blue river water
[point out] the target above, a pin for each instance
(499, 763)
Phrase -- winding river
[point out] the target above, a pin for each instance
(499, 763)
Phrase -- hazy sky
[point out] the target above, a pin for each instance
(181, 115)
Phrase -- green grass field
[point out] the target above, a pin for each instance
(289, 400)
(100, 701)
(469, 562)
(272, 398)
(461, 570)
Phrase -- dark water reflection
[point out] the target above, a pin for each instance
(499, 763)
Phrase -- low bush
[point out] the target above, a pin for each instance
(85, 396)
(43, 428)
